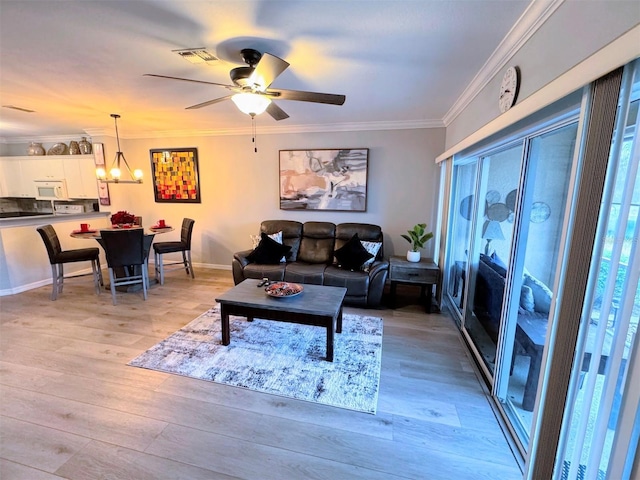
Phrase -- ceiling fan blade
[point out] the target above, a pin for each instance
(329, 98)
(266, 71)
(276, 112)
(189, 80)
(210, 102)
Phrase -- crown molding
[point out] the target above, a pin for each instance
(621, 51)
(293, 129)
(262, 130)
(45, 138)
(535, 15)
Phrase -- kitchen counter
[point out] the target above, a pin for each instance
(23, 219)
(24, 263)
(20, 214)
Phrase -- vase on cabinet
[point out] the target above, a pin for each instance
(413, 256)
(85, 146)
(74, 148)
(35, 148)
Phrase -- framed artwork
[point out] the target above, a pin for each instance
(98, 160)
(175, 175)
(324, 179)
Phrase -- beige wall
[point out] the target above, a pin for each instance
(240, 188)
(574, 32)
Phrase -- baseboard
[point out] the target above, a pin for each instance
(47, 281)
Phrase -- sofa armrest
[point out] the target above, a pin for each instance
(242, 257)
(377, 267)
(377, 278)
(238, 263)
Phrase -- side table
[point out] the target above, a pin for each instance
(424, 273)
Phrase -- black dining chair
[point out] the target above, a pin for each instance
(183, 246)
(126, 258)
(58, 257)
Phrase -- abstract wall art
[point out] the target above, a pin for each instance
(324, 179)
(175, 175)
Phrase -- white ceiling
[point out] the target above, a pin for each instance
(398, 62)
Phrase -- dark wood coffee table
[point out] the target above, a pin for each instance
(317, 305)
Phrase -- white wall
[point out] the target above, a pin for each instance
(575, 31)
(240, 188)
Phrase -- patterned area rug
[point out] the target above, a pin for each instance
(279, 358)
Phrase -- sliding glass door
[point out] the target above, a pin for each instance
(508, 213)
(460, 236)
(543, 269)
(541, 212)
(497, 189)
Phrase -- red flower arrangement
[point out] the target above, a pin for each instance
(122, 217)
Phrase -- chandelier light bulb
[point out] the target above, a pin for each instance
(101, 173)
(115, 173)
(137, 174)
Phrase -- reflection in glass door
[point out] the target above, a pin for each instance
(500, 175)
(541, 213)
(504, 250)
(463, 194)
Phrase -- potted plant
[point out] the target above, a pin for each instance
(417, 238)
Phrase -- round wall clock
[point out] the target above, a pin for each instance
(509, 89)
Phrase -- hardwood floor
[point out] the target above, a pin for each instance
(72, 408)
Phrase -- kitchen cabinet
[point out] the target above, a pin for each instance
(80, 173)
(17, 174)
(41, 168)
(11, 178)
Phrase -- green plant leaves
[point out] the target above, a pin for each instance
(417, 237)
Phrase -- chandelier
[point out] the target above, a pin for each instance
(115, 171)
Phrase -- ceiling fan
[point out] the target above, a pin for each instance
(251, 86)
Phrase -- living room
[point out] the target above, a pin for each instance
(240, 187)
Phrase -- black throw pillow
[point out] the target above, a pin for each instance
(352, 254)
(268, 251)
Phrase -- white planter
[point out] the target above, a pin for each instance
(413, 256)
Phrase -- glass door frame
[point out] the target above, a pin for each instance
(504, 349)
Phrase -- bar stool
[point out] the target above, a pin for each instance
(184, 246)
(58, 257)
(126, 259)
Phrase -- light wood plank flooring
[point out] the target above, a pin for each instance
(71, 408)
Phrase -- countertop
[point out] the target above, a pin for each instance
(25, 221)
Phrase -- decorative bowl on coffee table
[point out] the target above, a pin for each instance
(283, 289)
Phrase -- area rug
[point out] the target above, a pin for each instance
(279, 358)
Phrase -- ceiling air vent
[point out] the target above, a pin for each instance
(197, 55)
(22, 109)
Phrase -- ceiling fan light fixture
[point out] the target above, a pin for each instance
(251, 103)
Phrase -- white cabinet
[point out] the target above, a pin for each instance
(17, 174)
(13, 184)
(41, 168)
(80, 173)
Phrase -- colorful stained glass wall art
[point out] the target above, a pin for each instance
(175, 175)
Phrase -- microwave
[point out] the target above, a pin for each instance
(51, 190)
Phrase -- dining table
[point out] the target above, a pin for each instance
(149, 235)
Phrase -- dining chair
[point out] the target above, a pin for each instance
(183, 246)
(126, 259)
(58, 257)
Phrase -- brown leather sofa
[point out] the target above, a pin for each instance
(311, 259)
